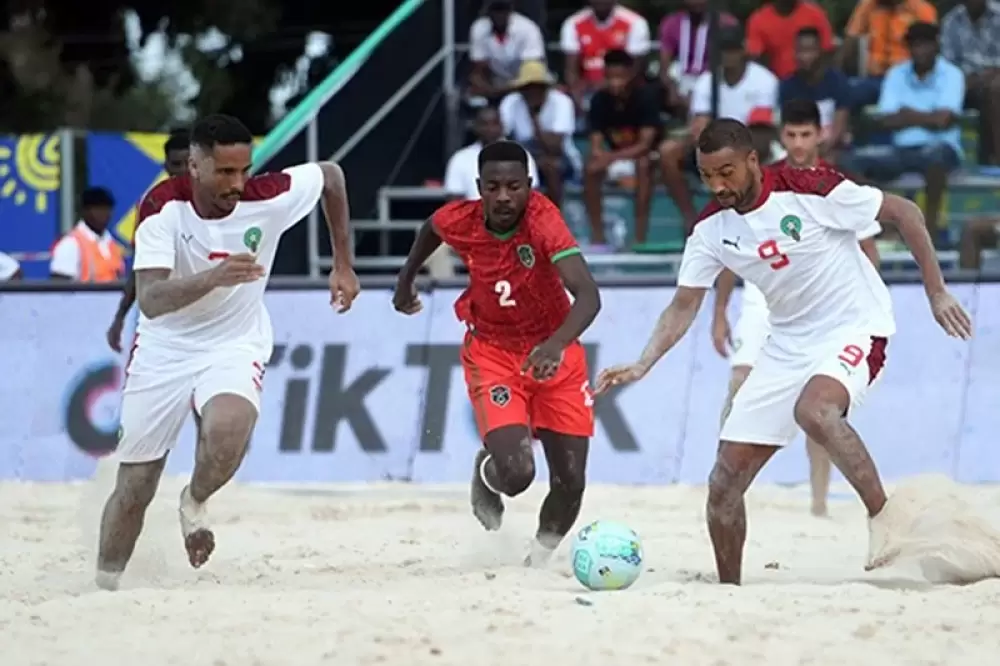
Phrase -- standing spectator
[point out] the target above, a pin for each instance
(684, 50)
(770, 28)
(543, 119)
(589, 34)
(10, 269)
(88, 253)
(744, 87)
(970, 38)
(624, 122)
(921, 102)
(498, 43)
(884, 23)
(815, 81)
(462, 173)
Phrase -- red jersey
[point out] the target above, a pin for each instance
(583, 34)
(820, 164)
(515, 298)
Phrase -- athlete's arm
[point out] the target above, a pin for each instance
(586, 298)
(424, 244)
(724, 286)
(909, 219)
(159, 295)
(128, 297)
(337, 212)
(672, 325)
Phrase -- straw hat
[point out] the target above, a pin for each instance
(533, 72)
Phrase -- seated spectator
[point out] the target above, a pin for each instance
(977, 235)
(89, 253)
(816, 81)
(684, 51)
(542, 119)
(884, 23)
(624, 123)
(10, 269)
(744, 87)
(498, 43)
(921, 103)
(461, 176)
(589, 34)
(970, 38)
(770, 28)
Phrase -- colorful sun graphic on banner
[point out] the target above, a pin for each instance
(29, 172)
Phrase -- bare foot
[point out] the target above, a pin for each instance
(199, 545)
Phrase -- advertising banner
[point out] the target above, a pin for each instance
(374, 395)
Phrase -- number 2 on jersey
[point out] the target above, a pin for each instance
(502, 288)
(769, 250)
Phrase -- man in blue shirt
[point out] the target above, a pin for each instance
(921, 103)
(815, 81)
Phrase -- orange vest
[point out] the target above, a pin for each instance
(94, 266)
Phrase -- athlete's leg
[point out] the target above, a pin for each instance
(819, 476)
(736, 466)
(566, 456)
(738, 375)
(505, 466)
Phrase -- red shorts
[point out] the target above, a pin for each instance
(502, 396)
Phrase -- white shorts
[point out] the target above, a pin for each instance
(749, 335)
(764, 407)
(160, 392)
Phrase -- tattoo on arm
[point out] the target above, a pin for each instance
(159, 294)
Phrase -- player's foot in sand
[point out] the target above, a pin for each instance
(108, 580)
(199, 541)
(819, 510)
(539, 554)
(487, 505)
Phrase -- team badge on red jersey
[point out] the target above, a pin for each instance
(500, 395)
(526, 255)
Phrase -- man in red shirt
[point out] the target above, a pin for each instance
(771, 32)
(525, 369)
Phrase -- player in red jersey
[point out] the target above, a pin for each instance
(525, 369)
(801, 133)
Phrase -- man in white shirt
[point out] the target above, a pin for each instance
(10, 269)
(793, 233)
(204, 251)
(498, 43)
(96, 207)
(542, 119)
(463, 167)
(745, 87)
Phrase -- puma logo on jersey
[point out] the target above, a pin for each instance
(187, 237)
(733, 243)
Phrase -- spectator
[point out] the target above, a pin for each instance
(817, 82)
(743, 88)
(764, 136)
(589, 34)
(977, 235)
(624, 122)
(498, 43)
(921, 102)
(88, 253)
(684, 50)
(10, 269)
(801, 123)
(462, 173)
(970, 38)
(175, 153)
(770, 27)
(884, 23)
(543, 120)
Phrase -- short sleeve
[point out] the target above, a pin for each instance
(756, 37)
(638, 38)
(303, 192)
(871, 231)
(477, 40)
(569, 40)
(8, 266)
(699, 265)
(65, 258)
(857, 25)
(847, 207)
(534, 43)
(155, 244)
(701, 95)
(952, 95)
(557, 242)
(889, 99)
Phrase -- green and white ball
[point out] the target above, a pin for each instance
(607, 556)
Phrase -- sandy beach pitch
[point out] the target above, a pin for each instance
(396, 574)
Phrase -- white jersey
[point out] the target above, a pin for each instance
(172, 236)
(799, 247)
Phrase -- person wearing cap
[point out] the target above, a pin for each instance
(88, 253)
(542, 119)
(499, 41)
(921, 104)
(745, 88)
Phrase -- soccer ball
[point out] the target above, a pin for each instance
(607, 556)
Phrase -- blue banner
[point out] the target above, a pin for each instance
(30, 176)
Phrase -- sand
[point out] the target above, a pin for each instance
(402, 575)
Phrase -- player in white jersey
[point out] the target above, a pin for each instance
(204, 250)
(801, 131)
(793, 234)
